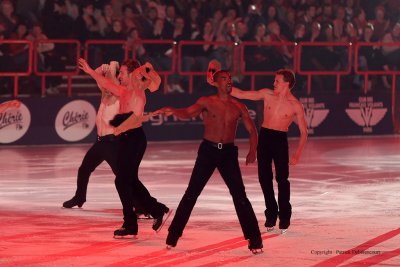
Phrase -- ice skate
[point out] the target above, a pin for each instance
(284, 225)
(255, 245)
(172, 240)
(160, 221)
(270, 225)
(122, 232)
(73, 202)
(257, 251)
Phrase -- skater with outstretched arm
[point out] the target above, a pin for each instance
(221, 114)
(280, 109)
(132, 141)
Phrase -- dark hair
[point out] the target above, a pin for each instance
(288, 76)
(217, 73)
(131, 64)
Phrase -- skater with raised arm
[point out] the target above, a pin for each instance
(221, 114)
(132, 140)
(105, 146)
(280, 109)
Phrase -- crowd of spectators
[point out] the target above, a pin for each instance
(259, 21)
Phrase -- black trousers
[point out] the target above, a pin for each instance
(131, 147)
(104, 149)
(226, 161)
(273, 146)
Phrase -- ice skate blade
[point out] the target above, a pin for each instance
(283, 231)
(125, 237)
(169, 247)
(167, 215)
(257, 251)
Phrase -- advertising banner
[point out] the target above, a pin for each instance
(61, 120)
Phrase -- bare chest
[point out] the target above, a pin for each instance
(222, 113)
(281, 110)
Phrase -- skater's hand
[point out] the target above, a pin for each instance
(83, 65)
(147, 117)
(167, 111)
(105, 68)
(294, 159)
(251, 157)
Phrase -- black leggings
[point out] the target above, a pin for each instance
(273, 146)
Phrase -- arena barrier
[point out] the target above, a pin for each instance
(61, 120)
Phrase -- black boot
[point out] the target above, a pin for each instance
(172, 239)
(256, 245)
(75, 201)
(124, 231)
(284, 225)
(270, 224)
(159, 221)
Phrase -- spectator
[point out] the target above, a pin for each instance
(392, 53)
(339, 22)
(148, 22)
(128, 18)
(43, 48)
(105, 19)
(283, 54)
(57, 24)
(360, 20)
(8, 17)
(307, 19)
(135, 48)
(115, 52)
(381, 24)
(169, 21)
(86, 24)
(371, 57)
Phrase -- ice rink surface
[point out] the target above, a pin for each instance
(345, 194)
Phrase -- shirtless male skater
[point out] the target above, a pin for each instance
(221, 114)
(280, 108)
(105, 147)
(132, 141)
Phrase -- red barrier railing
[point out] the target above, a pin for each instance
(238, 55)
(201, 73)
(44, 74)
(367, 72)
(17, 74)
(267, 45)
(127, 50)
(337, 73)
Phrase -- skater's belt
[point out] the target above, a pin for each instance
(108, 137)
(218, 145)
